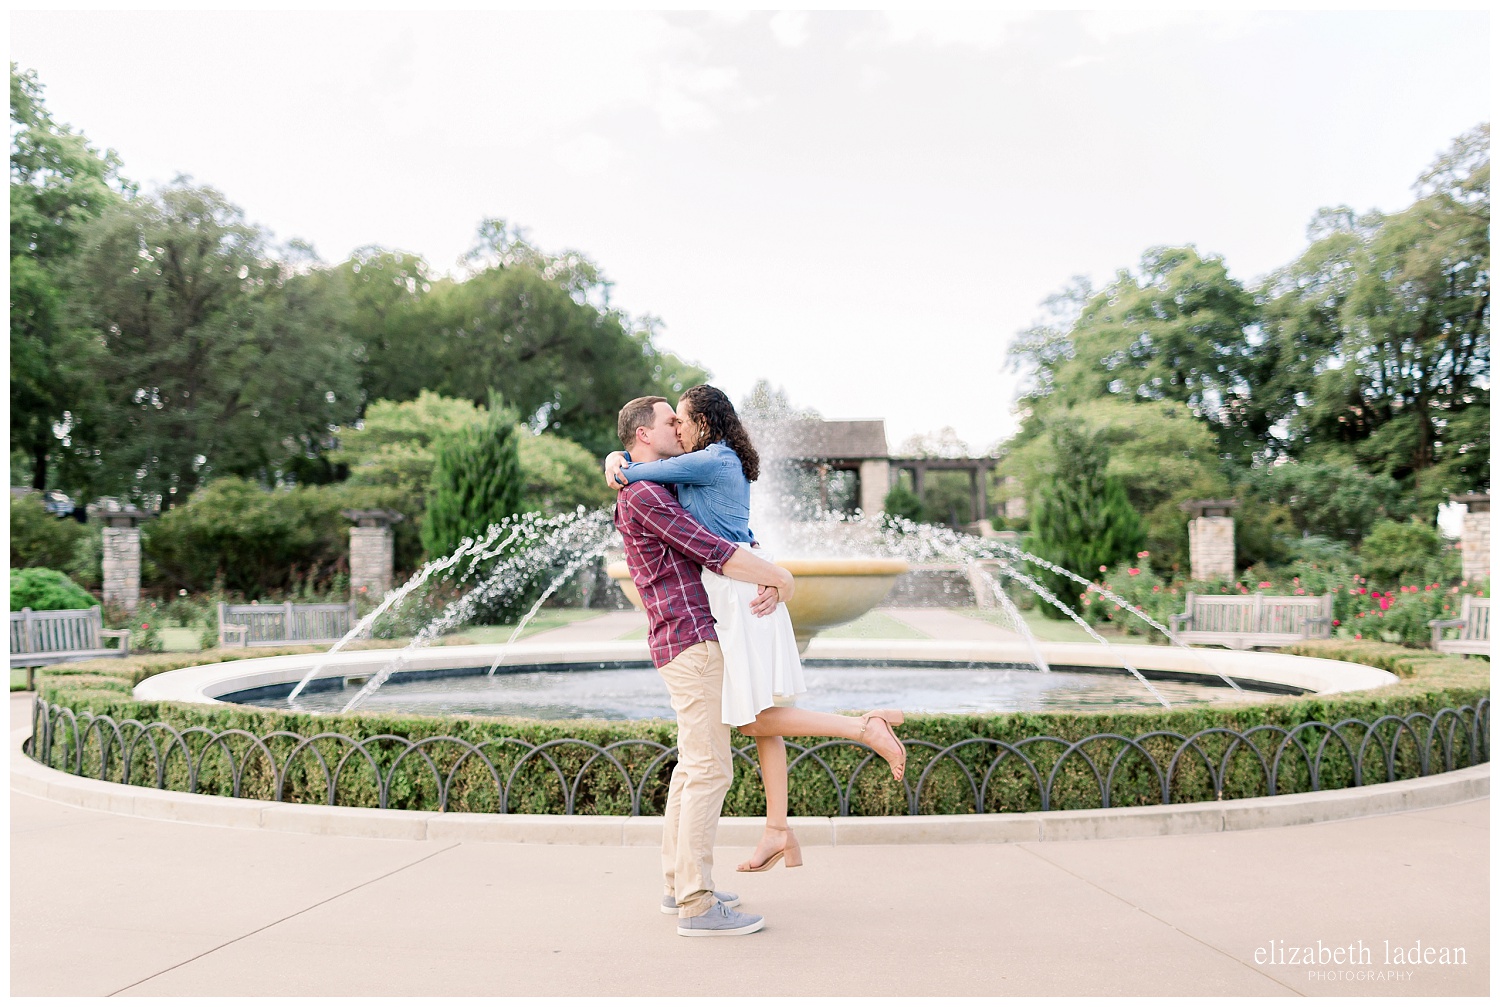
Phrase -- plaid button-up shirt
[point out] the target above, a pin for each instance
(664, 548)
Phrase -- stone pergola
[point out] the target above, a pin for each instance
(859, 446)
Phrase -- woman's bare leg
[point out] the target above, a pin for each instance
(772, 753)
(789, 721)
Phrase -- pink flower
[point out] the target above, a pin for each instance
(145, 625)
(1142, 555)
(1359, 636)
(1156, 589)
(1335, 622)
(1133, 571)
(1264, 583)
(1103, 569)
(1385, 603)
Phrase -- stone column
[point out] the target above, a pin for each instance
(122, 557)
(1474, 544)
(1211, 539)
(372, 553)
(874, 485)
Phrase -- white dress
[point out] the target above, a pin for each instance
(761, 665)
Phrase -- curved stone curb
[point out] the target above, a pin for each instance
(30, 777)
(206, 683)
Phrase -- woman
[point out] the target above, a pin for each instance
(761, 666)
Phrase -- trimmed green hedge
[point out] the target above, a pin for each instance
(1429, 683)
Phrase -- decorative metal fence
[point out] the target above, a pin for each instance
(573, 776)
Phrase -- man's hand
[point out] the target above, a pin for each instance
(766, 600)
(614, 463)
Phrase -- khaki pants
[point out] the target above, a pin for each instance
(695, 680)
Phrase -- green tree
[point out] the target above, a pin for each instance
(476, 482)
(58, 182)
(1082, 520)
(396, 446)
(389, 320)
(217, 357)
(1383, 329)
(559, 475)
(1175, 331)
(1336, 499)
(1160, 451)
(538, 329)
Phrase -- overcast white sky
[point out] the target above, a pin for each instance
(863, 208)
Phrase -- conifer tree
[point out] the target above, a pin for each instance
(1083, 519)
(476, 482)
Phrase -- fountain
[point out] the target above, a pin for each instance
(830, 592)
(844, 566)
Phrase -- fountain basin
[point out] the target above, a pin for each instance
(829, 592)
(209, 683)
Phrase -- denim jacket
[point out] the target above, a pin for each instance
(711, 486)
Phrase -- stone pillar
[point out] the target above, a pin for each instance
(122, 557)
(1211, 539)
(874, 485)
(372, 553)
(1474, 544)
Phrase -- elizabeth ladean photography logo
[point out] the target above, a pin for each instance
(1382, 961)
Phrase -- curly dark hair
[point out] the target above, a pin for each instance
(713, 411)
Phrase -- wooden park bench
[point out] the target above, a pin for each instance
(38, 639)
(1473, 625)
(283, 625)
(1243, 621)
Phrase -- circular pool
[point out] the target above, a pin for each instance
(614, 679)
(638, 693)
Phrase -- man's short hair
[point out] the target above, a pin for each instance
(639, 412)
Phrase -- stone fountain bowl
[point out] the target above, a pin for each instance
(829, 592)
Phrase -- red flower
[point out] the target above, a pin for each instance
(1359, 636)
(145, 625)
(1335, 622)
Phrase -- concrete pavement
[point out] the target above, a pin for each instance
(108, 904)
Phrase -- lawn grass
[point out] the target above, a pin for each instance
(545, 619)
(874, 625)
(1049, 630)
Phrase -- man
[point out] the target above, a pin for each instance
(665, 550)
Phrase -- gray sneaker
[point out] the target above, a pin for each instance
(669, 904)
(720, 921)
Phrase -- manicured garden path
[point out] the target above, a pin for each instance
(104, 904)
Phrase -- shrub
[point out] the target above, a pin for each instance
(43, 590)
(144, 625)
(257, 543)
(902, 502)
(1395, 551)
(477, 482)
(1428, 683)
(39, 538)
(1134, 581)
(1083, 520)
